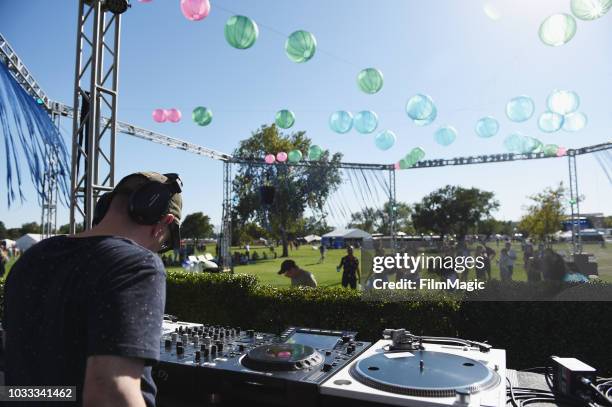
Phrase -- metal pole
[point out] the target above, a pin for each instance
(392, 208)
(574, 203)
(226, 227)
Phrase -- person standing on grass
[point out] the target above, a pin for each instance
(322, 251)
(4, 259)
(510, 260)
(86, 310)
(298, 276)
(350, 274)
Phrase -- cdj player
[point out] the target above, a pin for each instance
(202, 364)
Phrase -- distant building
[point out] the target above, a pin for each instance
(340, 238)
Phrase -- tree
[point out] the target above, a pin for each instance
(546, 213)
(453, 209)
(374, 220)
(31, 227)
(492, 226)
(315, 226)
(295, 188)
(3, 232)
(196, 226)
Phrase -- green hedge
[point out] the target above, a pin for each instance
(530, 331)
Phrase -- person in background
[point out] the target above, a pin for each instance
(527, 252)
(350, 266)
(248, 251)
(322, 251)
(4, 259)
(511, 258)
(298, 276)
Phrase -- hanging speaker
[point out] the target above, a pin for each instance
(266, 193)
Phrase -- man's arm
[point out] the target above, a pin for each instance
(113, 381)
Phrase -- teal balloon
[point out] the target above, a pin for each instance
(445, 135)
(414, 156)
(294, 156)
(341, 121)
(574, 121)
(370, 80)
(404, 164)
(385, 140)
(529, 145)
(300, 46)
(202, 115)
(365, 122)
(557, 29)
(514, 143)
(315, 152)
(421, 109)
(520, 109)
(241, 32)
(563, 101)
(550, 150)
(549, 122)
(487, 127)
(284, 119)
(590, 9)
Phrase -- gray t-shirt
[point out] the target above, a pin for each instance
(305, 279)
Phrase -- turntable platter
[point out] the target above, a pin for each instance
(423, 373)
(282, 356)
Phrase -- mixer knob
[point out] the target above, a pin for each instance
(346, 338)
(185, 339)
(220, 346)
(179, 349)
(250, 333)
(327, 367)
(180, 329)
(167, 343)
(238, 330)
(241, 348)
(350, 349)
(221, 335)
(206, 340)
(213, 350)
(215, 337)
(205, 352)
(196, 341)
(174, 336)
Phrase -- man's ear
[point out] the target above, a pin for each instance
(168, 219)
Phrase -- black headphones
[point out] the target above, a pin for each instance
(147, 203)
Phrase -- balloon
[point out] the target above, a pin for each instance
(514, 143)
(174, 115)
(590, 9)
(549, 122)
(300, 46)
(144, 1)
(396, 166)
(281, 157)
(574, 121)
(445, 135)
(414, 156)
(284, 119)
(520, 109)
(563, 101)
(487, 127)
(550, 150)
(241, 32)
(314, 152)
(530, 145)
(295, 156)
(561, 151)
(159, 115)
(421, 109)
(491, 11)
(385, 140)
(557, 29)
(404, 164)
(365, 121)
(202, 115)
(370, 80)
(341, 121)
(269, 159)
(195, 10)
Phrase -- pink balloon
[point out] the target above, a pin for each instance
(396, 166)
(281, 157)
(174, 115)
(561, 151)
(144, 1)
(195, 10)
(159, 115)
(269, 159)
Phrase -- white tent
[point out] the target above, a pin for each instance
(28, 240)
(312, 238)
(8, 243)
(348, 234)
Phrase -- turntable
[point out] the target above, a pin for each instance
(435, 373)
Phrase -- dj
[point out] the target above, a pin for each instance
(86, 310)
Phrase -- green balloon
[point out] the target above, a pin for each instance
(370, 80)
(404, 164)
(590, 9)
(202, 115)
(284, 119)
(415, 155)
(557, 29)
(300, 46)
(295, 156)
(241, 32)
(314, 152)
(550, 150)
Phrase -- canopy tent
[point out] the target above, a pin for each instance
(340, 238)
(312, 238)
(28, 240)
(8, 243)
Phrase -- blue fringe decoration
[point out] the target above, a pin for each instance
(26, 124)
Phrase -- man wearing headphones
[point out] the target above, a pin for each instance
(86, 310)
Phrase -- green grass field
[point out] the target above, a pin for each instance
(325, 273)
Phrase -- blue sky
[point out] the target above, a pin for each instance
(470, 65)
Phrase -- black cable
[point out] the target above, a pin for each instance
(603, 398)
